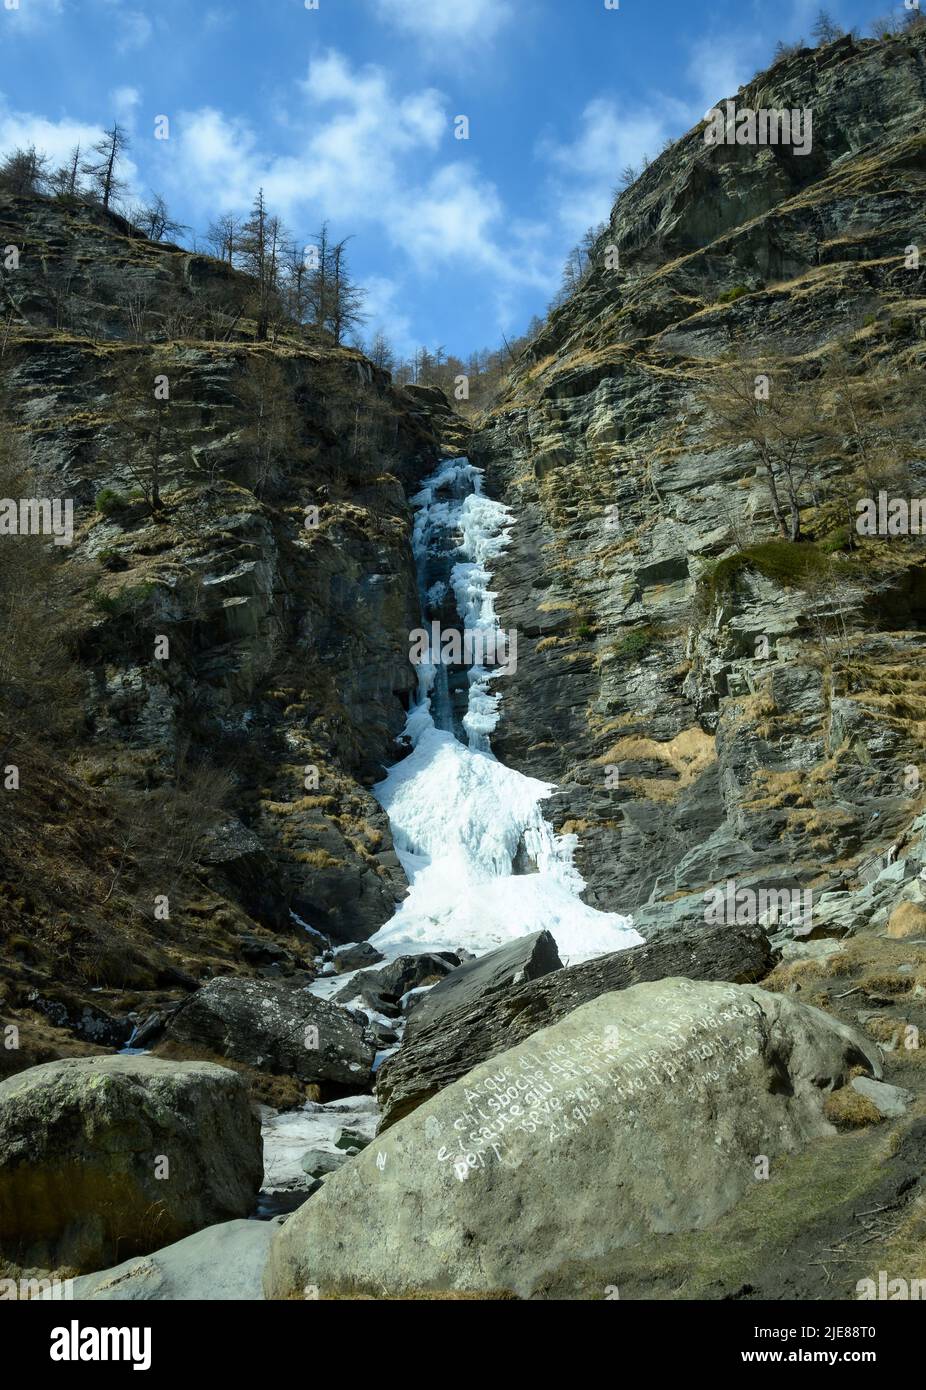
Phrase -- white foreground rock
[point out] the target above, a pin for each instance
(222, 1263)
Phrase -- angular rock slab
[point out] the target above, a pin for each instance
(435, 1054)
(642, 1112)
(528, 958)
(83, 1140)
(890, 1101)
(268, 1025)
(222, 1263)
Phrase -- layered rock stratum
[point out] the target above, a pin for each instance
(706, 714)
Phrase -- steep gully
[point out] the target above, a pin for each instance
(483, 864)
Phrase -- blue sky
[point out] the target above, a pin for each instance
(347, 112)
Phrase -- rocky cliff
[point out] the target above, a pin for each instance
(717, 667)
(216, 670)
(199, 691)
(713, 700)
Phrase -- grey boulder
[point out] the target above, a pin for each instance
(528, 958)
(277, 1027)
(642, 1112)
(890, 1101)
(222, 1263)
(104, 1157)
(436, 1053)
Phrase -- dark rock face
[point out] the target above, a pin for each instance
(92, 1025)
(685, 747)
(283, 581)
(528, 958)
(276, 1027)
(104, 1157)
(438, 1053)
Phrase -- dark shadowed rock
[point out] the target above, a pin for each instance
(439, 1053)
(275, 1027)
(356, 956)
(396, 979)
(528, 958)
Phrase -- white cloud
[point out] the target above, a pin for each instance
(382, 307)
(134, 29)
(459, 219)
(352, 137)
(718, 67)
(460, 21)
(587, 170)
(377, 162)
(366, 156)
(213, 160)
(57, 139)
(125, 102)
(354, 154)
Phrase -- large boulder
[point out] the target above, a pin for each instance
(393, 981)
(436, 1053)
(277, 1027)
(527, 958)
(219, 1264)
(105, 1157)
(646, 1111)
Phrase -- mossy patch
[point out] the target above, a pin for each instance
(761, 1248)
(635, 645)
(788, 563)
(732, 295)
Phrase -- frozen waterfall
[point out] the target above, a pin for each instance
(460, 819)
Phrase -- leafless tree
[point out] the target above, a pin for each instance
(24, 171)
(65, 181)
(104, 171)
(155, 221)
(776, 414)
(224, 236)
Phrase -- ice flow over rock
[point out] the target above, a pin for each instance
(460, 819)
